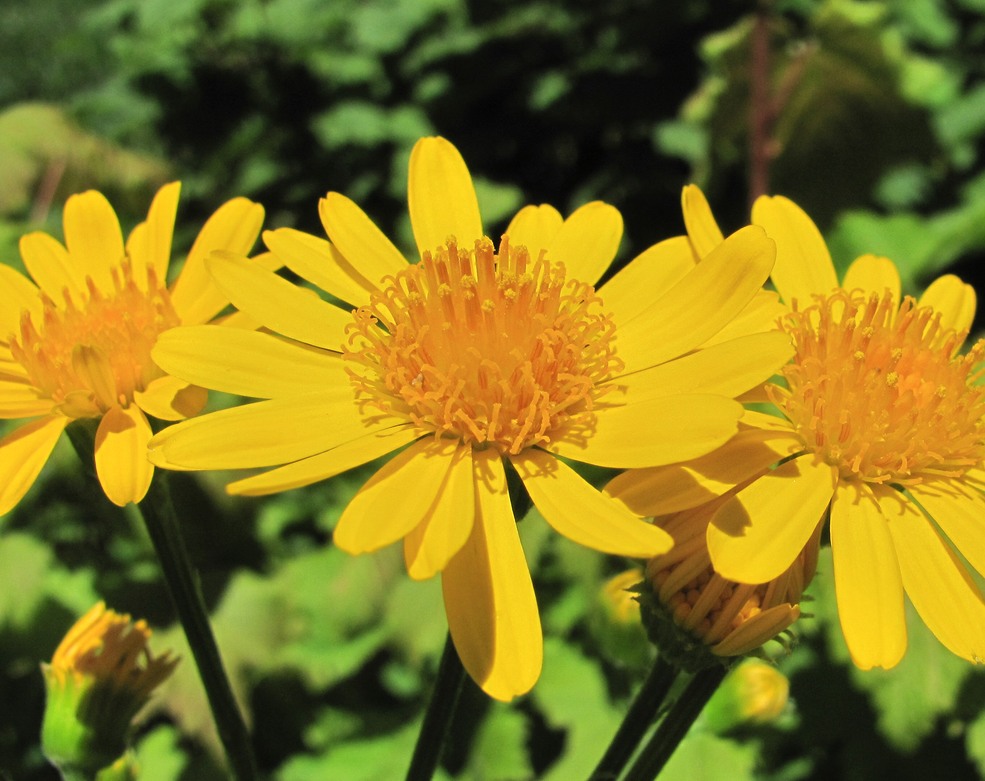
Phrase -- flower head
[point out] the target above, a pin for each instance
(698, 618)
(75, 344)
(882, 431)
(480, 358)
(101, 674)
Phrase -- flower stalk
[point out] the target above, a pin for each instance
(157, 511)
(438, 718)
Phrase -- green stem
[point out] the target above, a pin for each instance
(159, 517)
(676, 724)
(441, 710)
(639, 717)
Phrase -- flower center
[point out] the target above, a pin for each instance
(92, 354)
(879, 391)
(493, 349)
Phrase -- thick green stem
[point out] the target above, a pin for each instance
(441, 710)
(158, 513)
(637, 721)
(675, 724)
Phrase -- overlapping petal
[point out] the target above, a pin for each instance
(700, 304)
(121, 455)
(581, 513)
(253, 363)
(960, 513)
(285, 308)
(868, 584)
(669, 489)
(702, 228)
(755, 535)
(652, 432)
(17, 294)
(489, 597)
(233, 228)
(651, 273)
(429, 546)
(50, 265)
(935, 580)
(360, 450)
(373, 520)
(265, 433)
(317, 261)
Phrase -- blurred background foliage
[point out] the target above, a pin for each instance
(871, 114)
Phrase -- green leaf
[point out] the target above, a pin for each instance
(975, 742)
(499, 752)
(703, 756)
(159, 755)
(572, 694)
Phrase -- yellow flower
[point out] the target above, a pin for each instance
(696, 616)
(882, 432)
(480, 360)
(75, 343)
(101, 674)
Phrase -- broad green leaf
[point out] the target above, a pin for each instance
(500, 752)
(703, 756)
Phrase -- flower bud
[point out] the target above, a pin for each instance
(101, 674)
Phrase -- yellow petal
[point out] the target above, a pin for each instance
(356, 236)
(726, 369)
(700, 304)
(265, 433)
(653, 432)
(317, 261)
(868, 583)
(49, 263)
(401, 495)
(446, 527)
(149, 244)
(534, 227)
(489, 598)
(954, 299)
(647, 276)
(936, 582)
(93, 236)
(17, 294)
(22, 400)
(761, 314)
(233, 228)
(587, 241)
(758, 533)
(581, 513)
(873, 274)
(702, 228)
(169, 398)
(281, 306)
(23, 452)
(121, 455)
(322, 466)
(803, 263)
(247, 363)
(960, 513)
(750, 634)
(669, 489)
(441, 197)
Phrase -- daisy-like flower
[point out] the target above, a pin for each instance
(471, 362)
(882, 432)
(75, 343)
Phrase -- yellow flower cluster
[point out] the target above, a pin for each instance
(475, 360)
